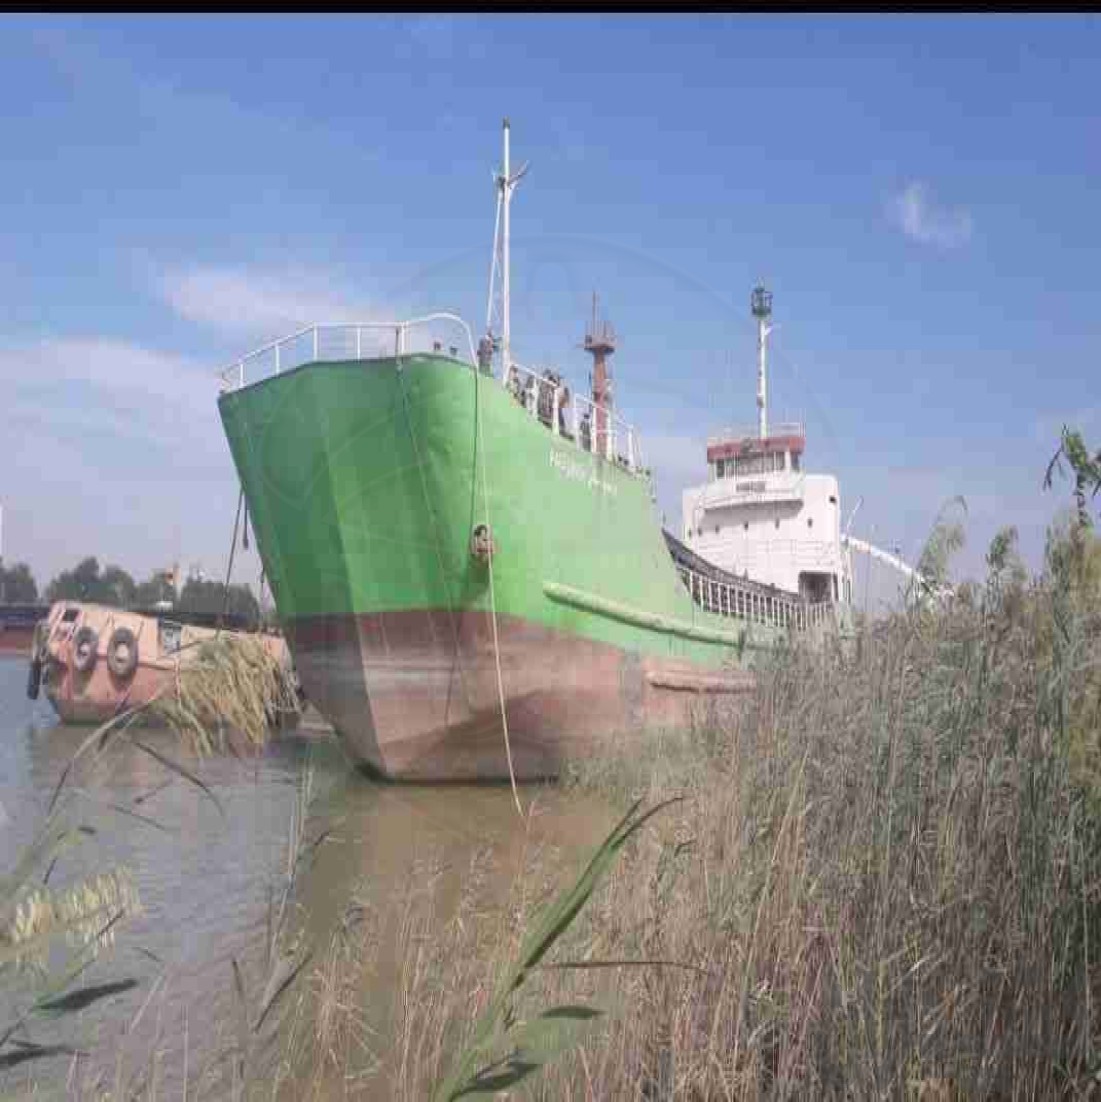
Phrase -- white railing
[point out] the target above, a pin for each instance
(575, 418)
(545, 397)
(745, 602)
(334, 341)
(778, 428)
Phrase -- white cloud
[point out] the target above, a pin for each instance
(127, 372)
(255, 306)
(261, 305)
(915, 212)
(112, 449)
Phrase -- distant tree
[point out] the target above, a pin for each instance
(117, 588)
(157, 588)
(209, 598)
(85, 583)
(17, 585)
(79, 584)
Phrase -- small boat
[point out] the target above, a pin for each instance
(94, 661)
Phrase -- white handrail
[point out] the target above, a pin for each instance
(398, 328)
(540, 395)
(734, 433)
(746, 602)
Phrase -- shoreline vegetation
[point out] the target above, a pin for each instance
(879, 877)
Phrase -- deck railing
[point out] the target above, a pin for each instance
(778, 428)
(334, 341)
(546, 397)
(750, 604)
(576, 418)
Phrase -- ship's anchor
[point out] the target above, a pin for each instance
(481, 543)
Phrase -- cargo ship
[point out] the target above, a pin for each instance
(464, 552)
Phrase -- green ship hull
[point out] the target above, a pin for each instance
(366, 480)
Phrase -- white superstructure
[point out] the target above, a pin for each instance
(760, 515)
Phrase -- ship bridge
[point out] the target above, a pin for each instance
(743, 468)
(760, 515)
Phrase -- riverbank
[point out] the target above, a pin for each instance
(883, 879)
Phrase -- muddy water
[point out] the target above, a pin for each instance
(206, 879)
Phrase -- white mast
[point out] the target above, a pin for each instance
(761, 303)
(506, 184)
(506, 189)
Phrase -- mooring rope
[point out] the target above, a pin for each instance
(479, 447)
(492, 597)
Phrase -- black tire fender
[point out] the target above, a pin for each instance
(85, 646)
(122, 653)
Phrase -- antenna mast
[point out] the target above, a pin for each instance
(506, 183)
(761, 304)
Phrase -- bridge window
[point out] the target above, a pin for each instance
(795, 461)
(756, 464)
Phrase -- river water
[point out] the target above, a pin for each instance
(206, 878)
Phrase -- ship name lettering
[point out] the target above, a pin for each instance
(577, 471)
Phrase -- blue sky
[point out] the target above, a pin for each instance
(920, 193)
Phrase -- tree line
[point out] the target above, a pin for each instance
(111, 585)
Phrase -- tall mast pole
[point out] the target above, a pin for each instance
(761, 304)
(506, 185)
(506, 182)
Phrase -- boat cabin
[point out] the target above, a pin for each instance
(760, 515)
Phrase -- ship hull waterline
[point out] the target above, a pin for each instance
(364, 485)
(415, 693)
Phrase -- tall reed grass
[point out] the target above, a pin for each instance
(883, 881)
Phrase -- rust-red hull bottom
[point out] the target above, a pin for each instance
(415, 696)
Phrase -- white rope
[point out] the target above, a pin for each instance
(492, 598)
